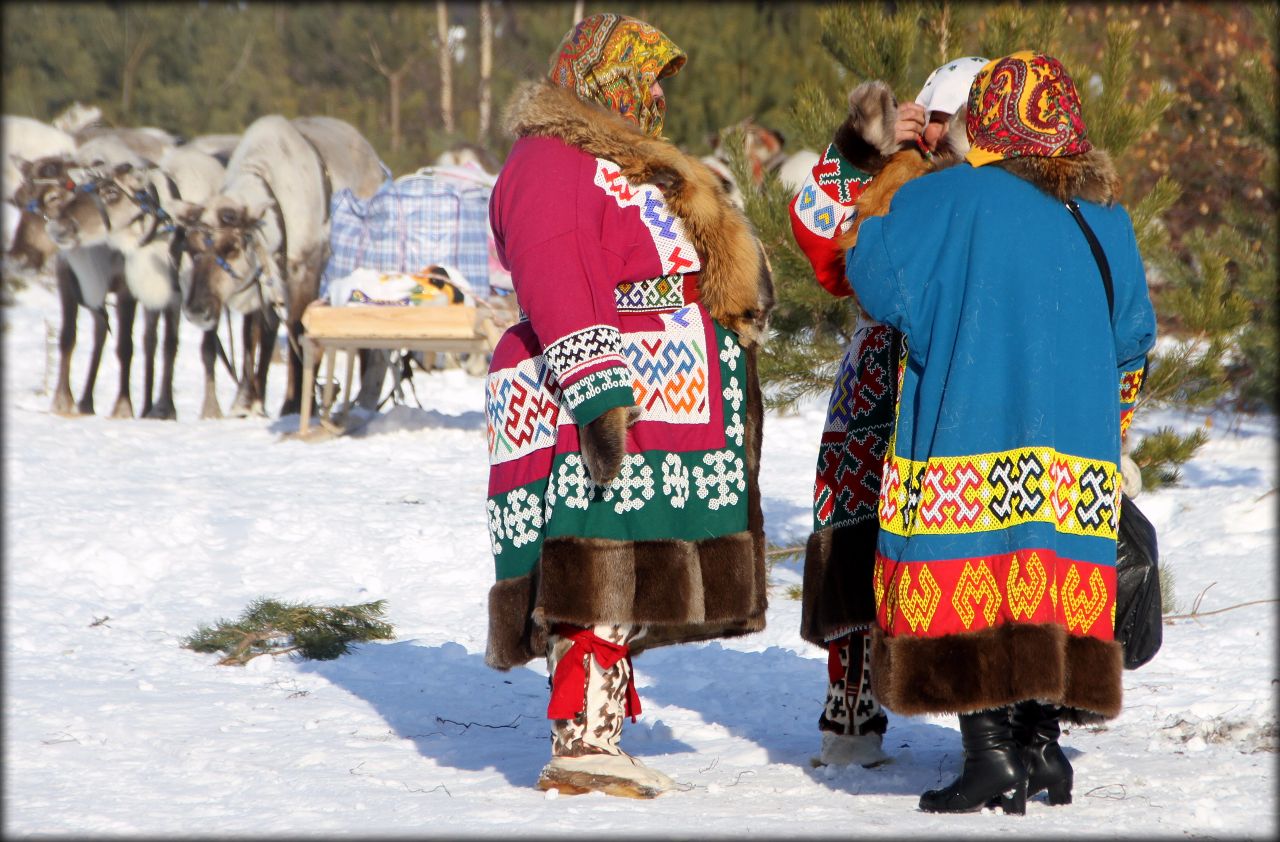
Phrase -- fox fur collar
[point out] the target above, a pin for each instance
(1090, 176)
(734, 283)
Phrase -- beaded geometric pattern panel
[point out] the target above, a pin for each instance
(677, 253)
(665, 293)
(669, 369)
(991, 491)
(856, 435)
(589, 347)
(867, 375)
(522, 410)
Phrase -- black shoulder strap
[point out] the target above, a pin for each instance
(1098, 254)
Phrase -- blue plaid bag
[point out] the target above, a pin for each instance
(435, 216)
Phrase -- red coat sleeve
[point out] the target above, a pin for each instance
(821, 210)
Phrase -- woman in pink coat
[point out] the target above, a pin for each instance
(623, 410)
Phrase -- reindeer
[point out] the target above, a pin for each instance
(84, 277)
(85, 123)
(26, 139)
(765, 153)
(259, 246)
(130, 208)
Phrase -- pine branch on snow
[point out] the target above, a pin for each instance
(271, 627)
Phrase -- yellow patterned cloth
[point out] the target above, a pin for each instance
(613, 61)
(1024, 105)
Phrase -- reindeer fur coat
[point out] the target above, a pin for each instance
(642, 287)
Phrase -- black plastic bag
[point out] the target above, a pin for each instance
(1139, 622)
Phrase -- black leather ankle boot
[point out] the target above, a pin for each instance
(993, 774)
(1036, 731)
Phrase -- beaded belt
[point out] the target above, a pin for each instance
(654, 295)
(670, 292)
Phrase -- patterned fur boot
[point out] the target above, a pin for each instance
(591, 693)
(852, 722)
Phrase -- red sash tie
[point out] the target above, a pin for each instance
(568, 686)
(835, 669)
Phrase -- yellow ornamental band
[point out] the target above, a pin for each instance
(991, 491)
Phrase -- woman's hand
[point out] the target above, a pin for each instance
(910, 123)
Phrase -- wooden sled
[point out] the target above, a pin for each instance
(453, 328)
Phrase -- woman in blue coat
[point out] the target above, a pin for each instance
(995, 565)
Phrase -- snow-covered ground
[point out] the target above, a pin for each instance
(121, 537)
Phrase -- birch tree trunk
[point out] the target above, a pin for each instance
(130, 71)
(446, 66)
(394, 79)
(486, 69)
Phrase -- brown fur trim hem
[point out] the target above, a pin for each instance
(681, 590)
(1091, 176)
(837, 593)
(1094, 676)
(733, 281)
(962, 673)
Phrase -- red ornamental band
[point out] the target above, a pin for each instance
(935, 598)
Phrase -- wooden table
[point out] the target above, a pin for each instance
(452, 328)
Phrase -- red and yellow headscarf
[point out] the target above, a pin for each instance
(1024, 105)
(613, 60)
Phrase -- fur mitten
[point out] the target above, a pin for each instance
(866, 137)
(603, 443)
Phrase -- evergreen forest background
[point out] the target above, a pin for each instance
(1182, 94)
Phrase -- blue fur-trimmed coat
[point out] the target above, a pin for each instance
(995, 564)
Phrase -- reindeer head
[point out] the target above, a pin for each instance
(762, 146)
(111, 204)
(46, 187)
(225, 243)
(85, 218)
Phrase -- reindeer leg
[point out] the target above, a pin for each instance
(373, 373)
(293, 396)
(209, 356)
(249, 335)
(163, 408)
(270, 325)
(149, 338)
(68, 297)
(126, 309)
(85, 406)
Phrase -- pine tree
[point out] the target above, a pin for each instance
(1257, 368)
(900, 45)
(864, 41)
(810, 328)
(271, 627)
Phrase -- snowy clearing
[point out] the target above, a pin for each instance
(121, 537)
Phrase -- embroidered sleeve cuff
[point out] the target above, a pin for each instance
(1130, 386)
(593, 395)
(572, 356)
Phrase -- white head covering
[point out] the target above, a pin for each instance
(947, 88)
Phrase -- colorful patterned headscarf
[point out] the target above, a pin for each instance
(613, 60)
(1024, 105)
